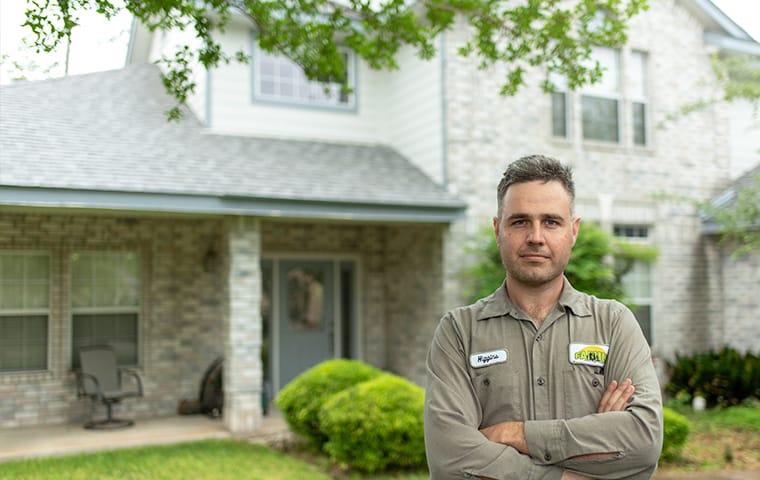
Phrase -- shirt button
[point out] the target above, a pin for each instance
(486, 382)
(539, 338)
(595, 382)
(541, 380)
(547, 456)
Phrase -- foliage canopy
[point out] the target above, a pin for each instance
(551, 33)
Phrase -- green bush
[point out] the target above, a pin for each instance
(676, 432)
(301, 400)
(376, 424)
(723, 378)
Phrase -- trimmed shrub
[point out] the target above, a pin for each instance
(723, 378)
(676, 432)
(376, 424)
(301, 400)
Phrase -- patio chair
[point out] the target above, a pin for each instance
(100, 379)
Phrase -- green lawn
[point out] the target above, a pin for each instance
(726, 438)
(715, 434)
(220, 459)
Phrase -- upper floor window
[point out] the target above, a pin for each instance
(600, 102)
(24, 310)
(560, 108)
(105, 303)
(277, 78)
(603, 104)
(638, 92)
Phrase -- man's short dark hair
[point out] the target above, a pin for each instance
(536, 167)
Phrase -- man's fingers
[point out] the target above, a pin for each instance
(611, 404)
(619, 406)
(606, 396)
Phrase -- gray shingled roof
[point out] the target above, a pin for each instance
(108, 132)
(727, 198)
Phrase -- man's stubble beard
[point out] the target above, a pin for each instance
(533, 277)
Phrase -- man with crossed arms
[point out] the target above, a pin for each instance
(516, 381)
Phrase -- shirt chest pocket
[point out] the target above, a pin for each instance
(500, 395)
(582, 389)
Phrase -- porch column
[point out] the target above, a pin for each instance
(242, 368)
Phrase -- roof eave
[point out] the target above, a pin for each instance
(41, 197)
(731, 44)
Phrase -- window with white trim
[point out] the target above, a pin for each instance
(560, 108)
(637, 282)
(24, 310)
(638, 94)
(279, 79)
(105, 303)
(600, 102)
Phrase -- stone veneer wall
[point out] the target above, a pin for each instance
(401, 283)
(615, 183)
(186, 319)
(735, 304)
(181, 323)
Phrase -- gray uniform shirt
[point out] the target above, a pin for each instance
(489, 364)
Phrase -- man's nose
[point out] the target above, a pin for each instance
(536, 235)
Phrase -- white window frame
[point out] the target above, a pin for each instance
(258, 96)
(617, 97)
(568, 115)
(635, 98)
(137, 309)
(642, 301)
(33, 311)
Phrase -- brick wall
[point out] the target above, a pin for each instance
(401, 269)
(615, 183)
(181, 321)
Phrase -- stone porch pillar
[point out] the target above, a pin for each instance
(242, 368)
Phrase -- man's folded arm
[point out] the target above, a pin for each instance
(455, 448)
(632, 439)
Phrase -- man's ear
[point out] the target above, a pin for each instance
(576, 225)
(496, 222)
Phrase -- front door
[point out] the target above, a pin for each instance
(306, 315)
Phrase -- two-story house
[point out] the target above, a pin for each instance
(279, 225)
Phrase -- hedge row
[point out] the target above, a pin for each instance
(723, 378)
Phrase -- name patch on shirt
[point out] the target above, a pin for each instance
(588, 354)
(485, 359)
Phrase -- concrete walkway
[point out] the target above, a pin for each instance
(724, 475)
(30, 442)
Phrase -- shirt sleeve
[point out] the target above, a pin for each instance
(633, 435)
(455, 448)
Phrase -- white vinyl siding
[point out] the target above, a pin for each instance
(24, 310)
(105, 302)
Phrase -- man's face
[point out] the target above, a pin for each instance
(536, 231)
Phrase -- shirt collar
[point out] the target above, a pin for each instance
(498, 303)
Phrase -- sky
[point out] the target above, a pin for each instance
(99, 45)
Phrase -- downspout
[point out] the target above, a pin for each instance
(208, 98)
(444, 114)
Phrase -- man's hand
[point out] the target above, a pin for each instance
(568, 475)
(508, 433)
(616, 397)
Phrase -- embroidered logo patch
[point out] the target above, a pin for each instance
(586, 354)
(485, 359)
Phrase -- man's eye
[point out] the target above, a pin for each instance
(552, 223)
(517, 223)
